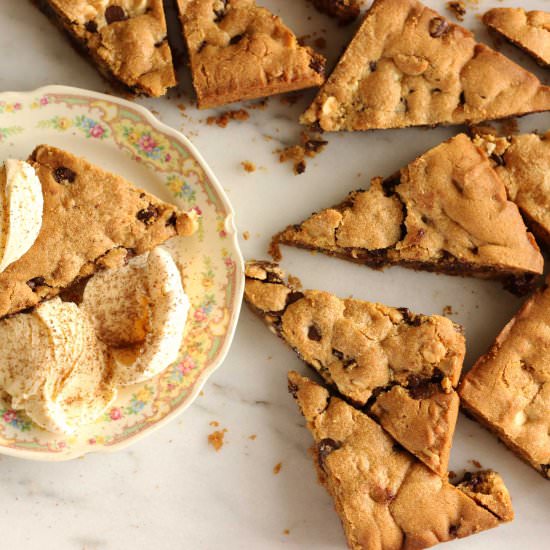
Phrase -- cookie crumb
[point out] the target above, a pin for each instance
(261, 104)
(223, 119)
(344, 11)
(448, 310)
(458, 9)
(286, 532)
(476, 463)
(320, 43)
(248, 166)
(246, 235)
(216, 439)
(214, 423)
(294, 282)
(252, 437)
(310, 146)
(291, 98)
(277, 468)
(452, 474)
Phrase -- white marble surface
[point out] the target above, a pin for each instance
(171, 490)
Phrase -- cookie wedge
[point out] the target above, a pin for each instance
(447, 212)
(92, 220)
(385, 498)
(515, 373)
(528, 30)
(241, 51)
(126, 40)
(523, 162)
(400, 367)
(409, 66)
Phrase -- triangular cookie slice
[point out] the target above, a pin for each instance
(529, 30)
(447, 212)
(92, 220)
(400, 367)
(386, 498)
(508, 388)
(409, 66)
(241, 51)
(126, 40)
(523, 164)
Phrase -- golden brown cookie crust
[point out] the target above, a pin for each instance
(126, 40)
(400, 366)
(409, 66)
(92, 220)
(385, 498)
(529, 30)
(447, 212)
(516, 374)
(241, 51)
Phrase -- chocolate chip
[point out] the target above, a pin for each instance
(294, 297)
(293, 389)
(545, 470)
(220, 13)
(64, 174)
(314, 334)
(324, 448)
(114, 14)
(36, 282)
(91, 26)
(317, 64)
(349, 363)
(389, 184)
(462, 98)
(314, 145)
(236, 39)
(147, 215)
(410, 318)
(373, 65)
(382, 495)
(338, 354)
(172, 220)
(453, 530)
(272, 277)
(300, 167)
(498, 159)
(438, 27)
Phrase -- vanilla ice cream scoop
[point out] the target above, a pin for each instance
(21, 208)
(139, 311)
(54, 367)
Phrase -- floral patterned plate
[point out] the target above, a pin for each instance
(125, 138)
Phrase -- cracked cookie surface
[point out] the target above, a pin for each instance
(126, 39)
(400, 367)
(447, 211)
(385, 498)
(508, 389)
(241, 51)
(529, 30)
(409, 66)
(92, 220)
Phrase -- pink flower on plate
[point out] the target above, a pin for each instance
(187, 365)
(168, 157)
(44, 100)
(228, 262)
(200, 315)
(147, 143)
(97, 131)
(17, 106)
(9, 416)
(115, 414)
(197, 210)
(92, 441)
(61, 445)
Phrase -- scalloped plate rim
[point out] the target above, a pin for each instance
(231, 230)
